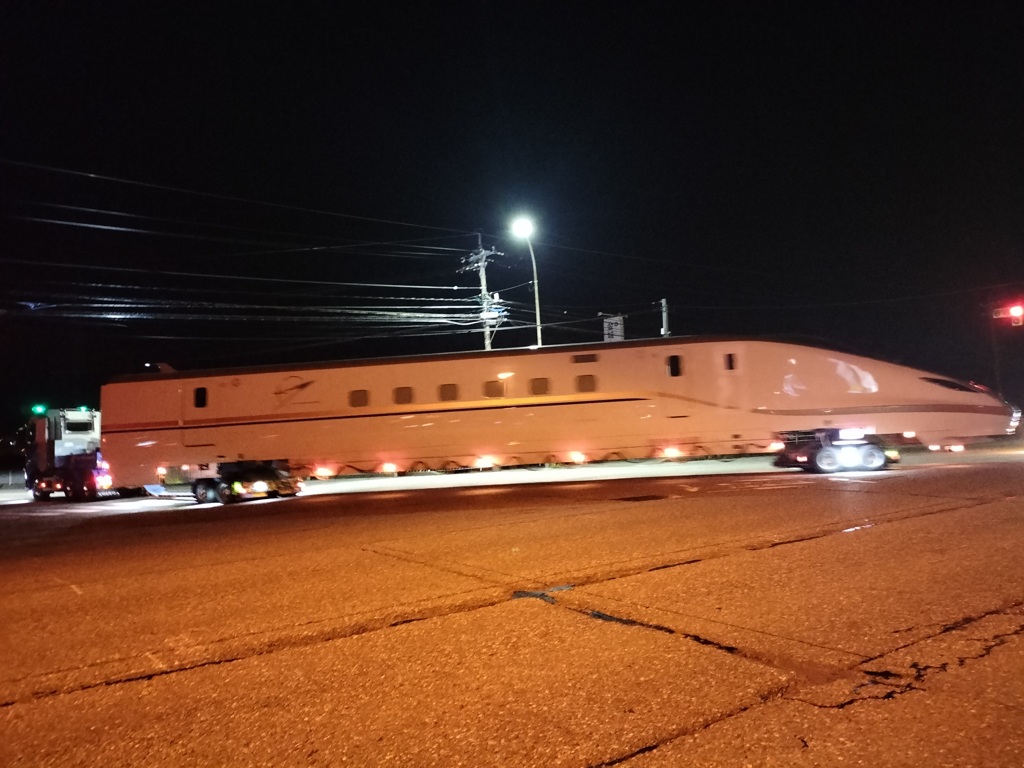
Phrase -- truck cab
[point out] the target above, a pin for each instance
(62, 454)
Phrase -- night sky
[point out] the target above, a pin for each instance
(243, 186)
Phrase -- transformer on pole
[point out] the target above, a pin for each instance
(490, 311)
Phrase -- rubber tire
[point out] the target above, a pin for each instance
(826, 461)
(40, 495)
(224, 494)
(872, 457)
(203, 492)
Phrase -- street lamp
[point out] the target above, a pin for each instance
(523, 228)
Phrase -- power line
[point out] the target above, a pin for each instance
(126, 215)
(289, 280)
(215, 196)
(276, 249)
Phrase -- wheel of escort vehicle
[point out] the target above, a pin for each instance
(203, 492)
(224, 494)
(826, 460)
(872, 457)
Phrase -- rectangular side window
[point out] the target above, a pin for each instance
(591, 358)
(359, 398)
(730, 361)
(586, 383)
(448, 392)
(675, 365)
(494, 388)
(199, 397)
(540, 387)
(402, 395)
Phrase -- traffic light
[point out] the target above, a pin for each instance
(1015, 312)
(38, 410)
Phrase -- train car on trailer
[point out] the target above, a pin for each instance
(666, 398)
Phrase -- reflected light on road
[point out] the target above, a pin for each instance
(858, 528)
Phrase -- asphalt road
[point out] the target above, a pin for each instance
(669, 617)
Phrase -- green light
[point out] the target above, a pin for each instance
(83, 408)
(38, 410)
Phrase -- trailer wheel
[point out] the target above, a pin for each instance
(826, 460)
(79, 491)
(224, 494)
(203, 492)
(87, 489)
(872, 457)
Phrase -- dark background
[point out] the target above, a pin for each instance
(232, 185)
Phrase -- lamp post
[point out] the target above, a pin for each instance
(523, 228)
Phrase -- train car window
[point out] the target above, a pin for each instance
(199, 397)
(359, 398)
(730, 361)
(586, 383)
(447, 392)
(540, 386)
(402, 395)
(675, 365)
(950, 384)
(591, 358)
(494, 388)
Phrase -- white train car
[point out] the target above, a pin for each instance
(670, 398)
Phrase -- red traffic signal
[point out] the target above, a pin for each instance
(1015, 312)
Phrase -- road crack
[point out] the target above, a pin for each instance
(907, 669)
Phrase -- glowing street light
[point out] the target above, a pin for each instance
(522, 228)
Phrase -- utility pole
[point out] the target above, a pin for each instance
(488, 313)
(1013, 311)
(664, 319)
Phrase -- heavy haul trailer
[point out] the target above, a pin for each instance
(664, 398)
(62, 454)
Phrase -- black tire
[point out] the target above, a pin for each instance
(826, 461)
(872, 457)
(40, 495)
(79, 490)
(203, 492)
(224, 494)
